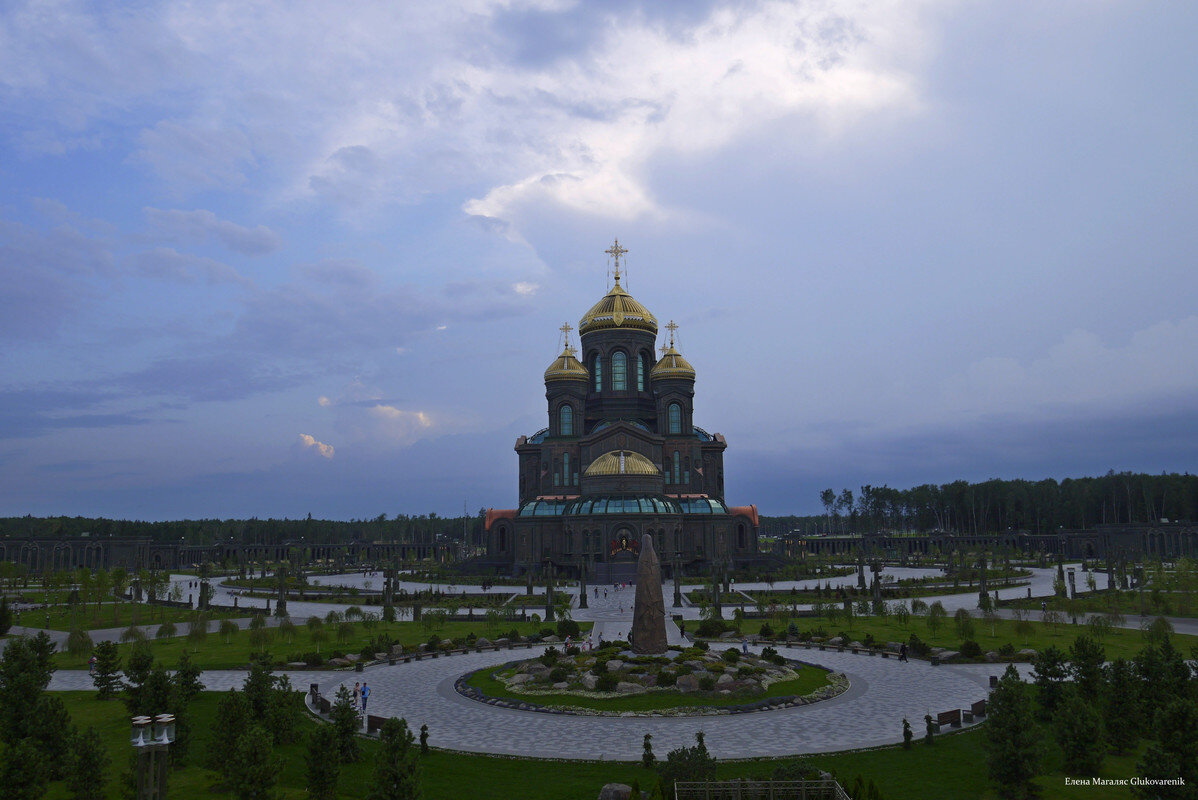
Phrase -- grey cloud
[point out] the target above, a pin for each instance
(203, 226)
(35, 412)
(166, 263)
(229, 375)
(191, 155)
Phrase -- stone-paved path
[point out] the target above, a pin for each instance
(882, 692)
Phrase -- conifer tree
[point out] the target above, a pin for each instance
(22, 771)
(344, 717)
(324, 765)
(254, 769)
(1123, 720)
(88, 765)
(232, 720)
(397, 769)
(1013, 756)
(1079, 732)
(107, 677)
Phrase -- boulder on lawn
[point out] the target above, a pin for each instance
(482, 642)
(724, 680)
(614, 665)
(551, 639)
(615, 791)
(993, 656)
(624, 687)
(836, 640)
(589, 682)
(519, 680)
(352, 657)
(687, 683)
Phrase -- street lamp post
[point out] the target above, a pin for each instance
(151, 740)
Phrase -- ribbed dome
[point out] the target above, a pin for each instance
(567, 368)
(622, 462)
(672, 365)
(617, 309)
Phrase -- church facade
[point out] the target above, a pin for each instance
(621, 457)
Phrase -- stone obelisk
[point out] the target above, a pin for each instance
(648, 634)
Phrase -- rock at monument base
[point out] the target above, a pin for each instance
(624, 687)
(615, 791)
(589, 682)
(687, 683)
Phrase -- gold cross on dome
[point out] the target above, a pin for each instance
(565, 329)
(671, 326)
(664, 349)
(615, 251)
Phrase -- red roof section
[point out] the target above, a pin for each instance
(745, 511)
(498, 513)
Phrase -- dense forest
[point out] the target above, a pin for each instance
(991, 506)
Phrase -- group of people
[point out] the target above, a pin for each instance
(361, 695)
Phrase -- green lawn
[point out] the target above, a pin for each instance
(214, 653)
(111, 615)
(953, 768)
(1128, 603)
(1119, 642)
(810, 679)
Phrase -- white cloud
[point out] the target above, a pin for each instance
(325, 450)
(525, 289)
(400, 426)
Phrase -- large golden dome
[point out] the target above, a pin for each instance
(567, 368)
(622, 462)
(617, 309)
(672, 365)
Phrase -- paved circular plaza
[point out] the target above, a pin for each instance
(882, 692)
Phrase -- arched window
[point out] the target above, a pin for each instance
(675, 412)
(566, 469)
(640, 373)
(619, 371)
(597, 371)
(677, 467)
(566, 421)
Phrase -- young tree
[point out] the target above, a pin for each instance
(25, 670)
(1079, 731)
(166, 630)
(424, 740)
(344, 718)
(908, 735)
(79, 644)
(232, 720)
(685, 764)
(22, 770)
(1086, 658)
(397, 768)
(1175, 752)
(5, 616)
(228, 629)
(283, 711)
(88, 765)
(1122, 706)
(51, 730)
(1048, 673)
(107, 677)
(255, 768)
(964, 623)
(324, 766)
(1012, 743)
(647, 757)
(936, 615)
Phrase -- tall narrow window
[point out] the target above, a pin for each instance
(640, 372)
(597, 371)
(677, 467)
(675, 418)
(566, 420)
(566, 468)
(619, 371)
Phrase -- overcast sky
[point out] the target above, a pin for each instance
(266, 260)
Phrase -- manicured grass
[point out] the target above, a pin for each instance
(954, 767)
(1128, 603)
(1119, 642)
(809, 679)
(214, 653)
(111, 615)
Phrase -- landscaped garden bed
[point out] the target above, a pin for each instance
(613, 681)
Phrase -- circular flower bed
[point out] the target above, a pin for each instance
(615, 682)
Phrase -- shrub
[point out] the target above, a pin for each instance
(567, 627)
(1007, 650)
(792, 630)
(766, 632)
(600, 666)
(707, 683)
(731, 655)
(869, 641)
(433, 641)
(700, 645)
(545, 632)
(917, 646)
(558, 674)
(549, 657)
(667, 678)
(971, 649)
(607, 683)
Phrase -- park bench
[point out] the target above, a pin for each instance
(978, 709)
(949, 718)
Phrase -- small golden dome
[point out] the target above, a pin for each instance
(617, 309)
(672, 365)
(567, 368)
(622, 462)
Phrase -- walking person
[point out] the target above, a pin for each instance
(91, 666)
(365, 695)
(357, 694)
(903, 651)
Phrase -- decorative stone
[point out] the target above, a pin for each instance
(993, 656)
(615, 791)
(352, 657)
(482, 642)
(561, 685)
(624, 687)
(551, 639)
(724, 680)
(614, 665)
(589, 682)
(687, 683)
(648, 634)
(519, 680)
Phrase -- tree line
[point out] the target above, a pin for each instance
(997, 505)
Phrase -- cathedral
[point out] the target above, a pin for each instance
(621, 457)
